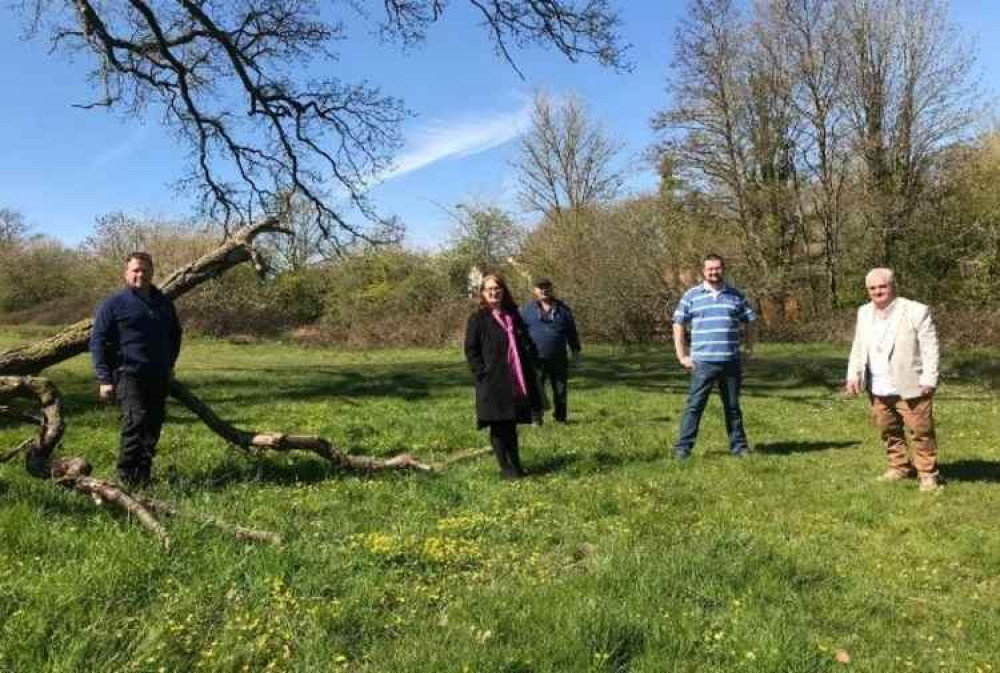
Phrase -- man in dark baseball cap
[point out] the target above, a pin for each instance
(552, 328)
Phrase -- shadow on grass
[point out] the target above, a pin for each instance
(984, 370)
(788, 448)
(972, 470)
(653, 370)
(288, 472)
(579, 465)
(409, 381)
(646, 370)
(615, 644)
(552, 464)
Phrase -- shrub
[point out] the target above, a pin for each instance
(390, 296)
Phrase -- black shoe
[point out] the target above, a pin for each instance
(133, 479)
(512, 475)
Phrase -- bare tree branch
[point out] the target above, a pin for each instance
(35, 357)
(51, 426)
(566, 159)
(253, 441)
(324, 140)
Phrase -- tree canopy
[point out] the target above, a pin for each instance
(230, 81)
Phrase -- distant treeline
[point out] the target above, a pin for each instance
(807, 142)
(622, 266)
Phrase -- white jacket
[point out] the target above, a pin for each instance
(913, 360)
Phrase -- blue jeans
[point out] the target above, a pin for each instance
(705, 375)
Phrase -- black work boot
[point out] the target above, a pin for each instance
(507, 469)
(134, 477)
(514, 459)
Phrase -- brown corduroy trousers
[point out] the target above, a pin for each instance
(896, 418)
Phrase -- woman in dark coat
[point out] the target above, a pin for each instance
(506, 390)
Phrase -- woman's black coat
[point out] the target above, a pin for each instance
(486, 352)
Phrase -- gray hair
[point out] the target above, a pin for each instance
(883, 272)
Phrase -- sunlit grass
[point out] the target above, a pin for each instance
(610, 557)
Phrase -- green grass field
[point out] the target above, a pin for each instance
(610, 557)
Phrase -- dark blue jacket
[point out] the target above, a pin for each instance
(135, 335)
(551, 333)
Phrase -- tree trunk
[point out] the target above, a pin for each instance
(35, 357)
(37, 451)
(254, 441)
(17, 366)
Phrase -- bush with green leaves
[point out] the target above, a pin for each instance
(38, 271)
(391, 296)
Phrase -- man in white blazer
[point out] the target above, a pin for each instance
(894, 358)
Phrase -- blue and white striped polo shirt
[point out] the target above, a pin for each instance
(715, 322)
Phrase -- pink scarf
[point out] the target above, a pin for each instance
(513, 358)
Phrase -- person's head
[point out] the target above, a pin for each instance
(712, 268)
(543, 289)
(493, 293)
(139, 270)
(881, 285)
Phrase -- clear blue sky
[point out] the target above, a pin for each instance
(62, 166)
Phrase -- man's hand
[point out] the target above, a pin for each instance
(686, 362)
(746, 354)
(852, 387)
(577, 357)
(105, 392)
(927, 391)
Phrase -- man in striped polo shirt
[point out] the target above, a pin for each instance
(714, 312)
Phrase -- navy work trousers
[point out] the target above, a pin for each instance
(143, 403)
(554, 372)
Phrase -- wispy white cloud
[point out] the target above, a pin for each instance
(126, 146)
(454, 138)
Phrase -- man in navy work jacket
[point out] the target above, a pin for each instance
(714, 311)
(134, 346)
(552, 328)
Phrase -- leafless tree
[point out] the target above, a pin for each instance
(115, 236)
(229, 80)
(909, 92)
(566, 159)
(811, 37)
(774, 131)
(781, 112)
(13, 228)
(703, 124)
(307, 246)
(190, 60)
(732, 131)
(484, 236)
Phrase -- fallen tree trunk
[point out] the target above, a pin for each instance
(74, 474)
(253, 441)
(18, 365)
(37, 451)
(35, 357)
(239, 532)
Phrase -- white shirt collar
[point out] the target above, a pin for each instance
(889, 310)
